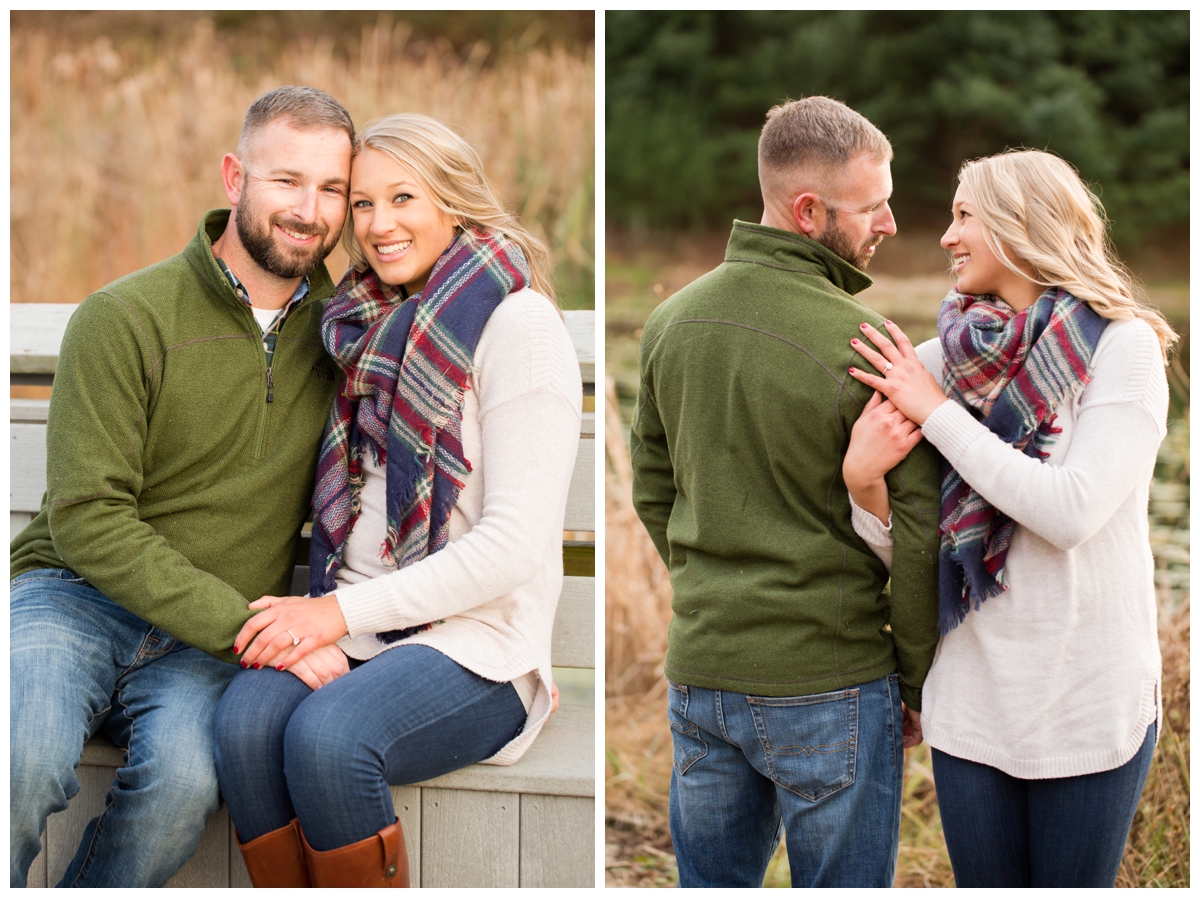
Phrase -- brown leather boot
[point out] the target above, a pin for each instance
(377, 862)
(276, 859)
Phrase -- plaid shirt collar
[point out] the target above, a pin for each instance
(244, 295)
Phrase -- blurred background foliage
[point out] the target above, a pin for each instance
(1107, 90)
(119, 121)
(272, 29)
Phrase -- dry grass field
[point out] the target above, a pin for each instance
(638, 595)
(117, 137)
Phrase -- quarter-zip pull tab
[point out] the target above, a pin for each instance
(270, 385)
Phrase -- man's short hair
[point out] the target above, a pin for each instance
(305, 108)
(815, 134)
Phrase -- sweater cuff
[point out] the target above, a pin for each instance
(869, 527)
(911, 696)
(369, 607)
(951, 429)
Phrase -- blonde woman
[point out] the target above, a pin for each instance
(436, 561)
(1046, 395)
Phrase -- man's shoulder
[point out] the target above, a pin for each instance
(702, 297)
(153, 305)
(151, 285)
(760, 294)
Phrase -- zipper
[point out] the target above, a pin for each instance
(262, 418)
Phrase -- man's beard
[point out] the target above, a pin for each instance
(271, 254)
(836, 241)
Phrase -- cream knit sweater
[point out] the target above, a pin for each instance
(1059, 675)
(493, 590)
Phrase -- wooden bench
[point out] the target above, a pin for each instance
(530, 824)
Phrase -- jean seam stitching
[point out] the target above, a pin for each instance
(693, 732)
(108, 799)
(720, 707)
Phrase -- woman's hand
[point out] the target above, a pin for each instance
(881, 438)
(911, 388)
(912, 735)
(265, 640)
(321, 666)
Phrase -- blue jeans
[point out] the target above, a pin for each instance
(1051, 833)
(80, 665)
(828, 767)
(327, 757)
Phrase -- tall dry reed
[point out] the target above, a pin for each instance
(637, 609)
(116, 144)
(637, 589)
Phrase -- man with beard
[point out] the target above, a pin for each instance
(182, 439)
(794, 675)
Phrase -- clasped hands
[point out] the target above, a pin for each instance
(296, 634)
(888, 429)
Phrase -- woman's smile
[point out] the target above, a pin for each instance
(393, 251)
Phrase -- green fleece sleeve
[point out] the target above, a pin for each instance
(96, 435)
(914, 488)
(653, 476)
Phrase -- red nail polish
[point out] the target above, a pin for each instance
(863, 326)
(256, 665)
(852, 370)
(854, 342)
(244, 665)
(279, 667)
(236, 650)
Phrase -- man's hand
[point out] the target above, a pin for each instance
(912, 726)
(321, 667)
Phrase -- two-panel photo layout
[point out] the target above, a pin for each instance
(599, 449)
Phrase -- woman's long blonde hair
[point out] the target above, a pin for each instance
(1034, 205)
(453, 173)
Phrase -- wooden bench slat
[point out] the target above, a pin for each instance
(558, 842)
(561, 761)
(581, 325)
(36, 335)
(36, 332)
(27, 466)
(456, 851)
(581, 497)
(574, 639)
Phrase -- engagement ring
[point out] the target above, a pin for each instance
(887, 366)
(295, 641)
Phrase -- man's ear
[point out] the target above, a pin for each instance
(233, 176)
(808, 213)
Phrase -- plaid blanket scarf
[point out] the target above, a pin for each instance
(1011, 370)
(407, 363)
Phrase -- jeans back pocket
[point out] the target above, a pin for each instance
(809, 742)
(687, 746)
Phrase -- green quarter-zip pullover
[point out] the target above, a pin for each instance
(742, 421)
